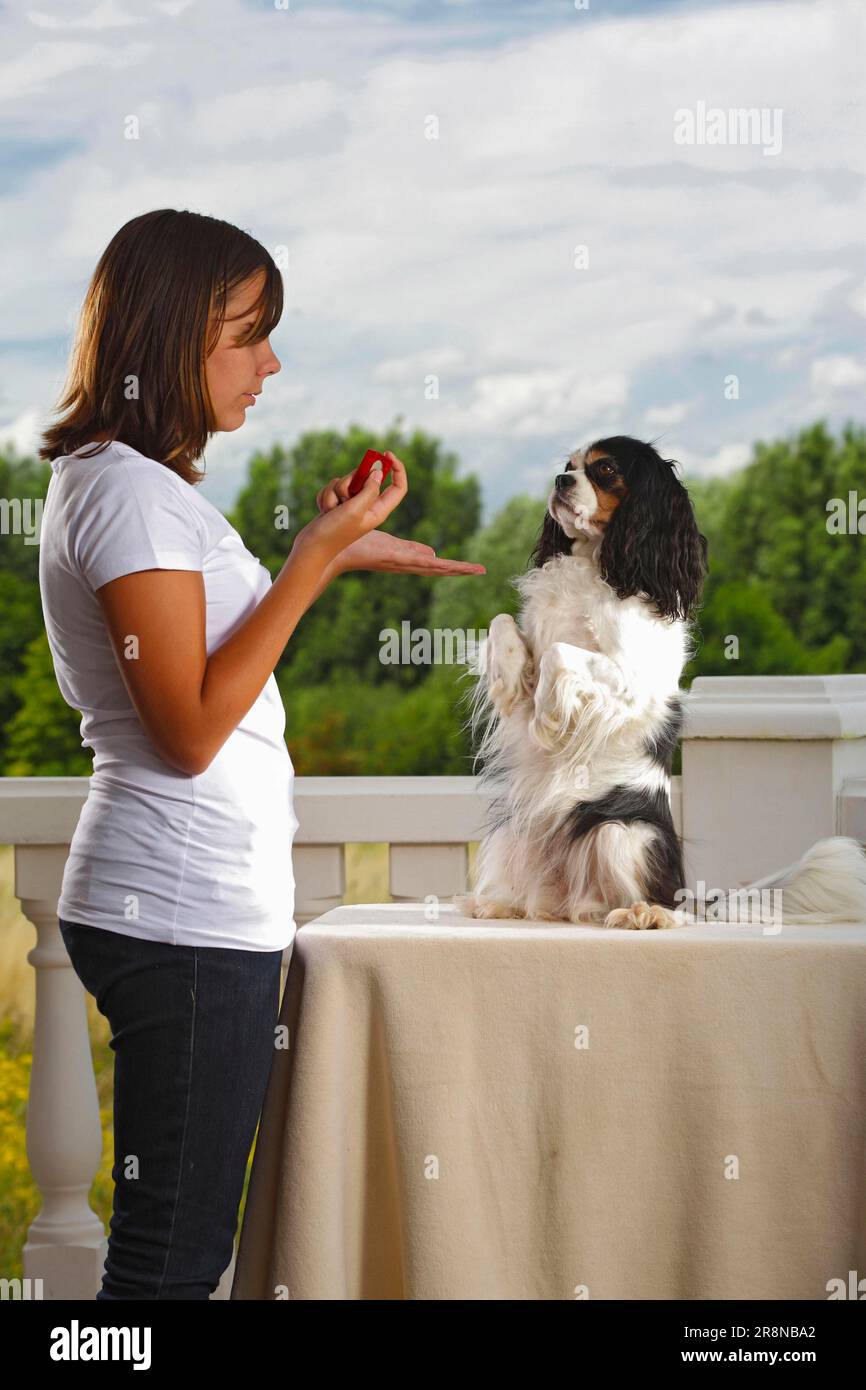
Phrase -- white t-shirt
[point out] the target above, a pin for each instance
(195, 861)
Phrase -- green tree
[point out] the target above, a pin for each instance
(503, 547)
(43, 736)
(20, 622)
(769, 523)
(350, 730)
(765, 644)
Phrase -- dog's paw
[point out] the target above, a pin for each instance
(464, 903)
(509, 666)
(642, 916)
(562, 691)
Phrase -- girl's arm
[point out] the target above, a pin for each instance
(190, 703)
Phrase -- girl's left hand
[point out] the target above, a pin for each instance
(377, 550)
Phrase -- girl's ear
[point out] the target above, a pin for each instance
(552, 540)
(653, 546)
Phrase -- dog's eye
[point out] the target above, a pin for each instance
(605, 469)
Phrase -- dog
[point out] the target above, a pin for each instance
(576, 711)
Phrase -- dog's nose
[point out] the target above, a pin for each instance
(564, 481)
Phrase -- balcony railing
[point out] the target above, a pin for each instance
(769, 765)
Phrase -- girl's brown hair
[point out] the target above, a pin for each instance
(137, 364)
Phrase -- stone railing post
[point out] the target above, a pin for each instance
(769, 766)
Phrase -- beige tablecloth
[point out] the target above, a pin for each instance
(502, 1110)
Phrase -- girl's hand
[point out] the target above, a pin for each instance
(347, 519)
(380, 551)
(377, 550)
(337, 491)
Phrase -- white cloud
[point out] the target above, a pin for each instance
(839, 373)
(665, 415)
(440, 361)
(105, 16)
(858, 298)
(711, 312)
(258, 114)
(538, 403)
(727, 459)
(47, 67)
(23, 431)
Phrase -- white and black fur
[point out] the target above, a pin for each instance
(582, 710)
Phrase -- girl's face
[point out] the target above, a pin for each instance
(235, 374)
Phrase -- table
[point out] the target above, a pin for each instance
(515, 1110)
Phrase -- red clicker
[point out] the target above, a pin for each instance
(361, 473)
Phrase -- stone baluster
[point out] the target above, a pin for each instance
(66, 1243)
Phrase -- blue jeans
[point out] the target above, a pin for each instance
(193, 1039)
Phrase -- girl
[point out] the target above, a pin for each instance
(177, 900)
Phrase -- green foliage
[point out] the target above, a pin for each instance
(769, 524)
(503, 546)
(351, 730)
(742, 634)
(20, 623)
(43, 736)
(23, 484)
(790, 591)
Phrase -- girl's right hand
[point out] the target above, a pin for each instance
(349, 518)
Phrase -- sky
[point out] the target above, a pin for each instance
(433, 171)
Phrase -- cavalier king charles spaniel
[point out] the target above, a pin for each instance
(582, 710)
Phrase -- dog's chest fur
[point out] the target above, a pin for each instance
(563, 602)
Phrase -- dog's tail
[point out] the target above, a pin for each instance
(827, 884)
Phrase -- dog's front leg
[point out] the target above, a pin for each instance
(603, 671)
(568, 697)
(509, 664)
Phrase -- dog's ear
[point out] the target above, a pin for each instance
(552, 540)
(653, 546)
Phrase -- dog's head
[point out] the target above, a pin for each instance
(621, 501)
